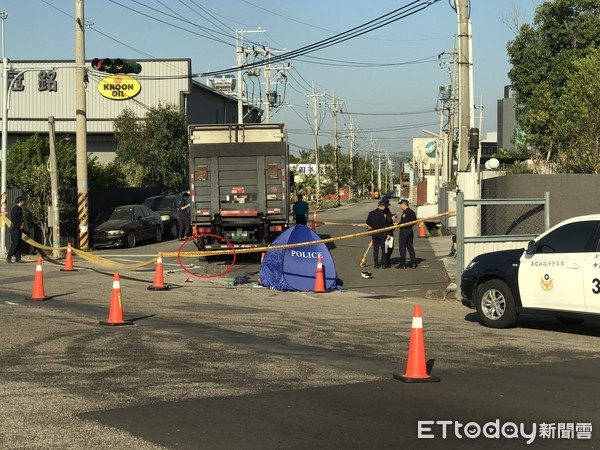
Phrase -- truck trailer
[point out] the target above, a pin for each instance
(239, 184)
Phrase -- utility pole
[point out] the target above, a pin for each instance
(372, 164)
(387, 171)
(53, 169)
(267, 88)
(351, 126)
(391, 173)
(451, 116)
(271, 97)
(240, 54)
(464, 64)
(336, 157)
(3, 16)
(81, 127)
(315, 98)
(478, 162)
(379, 168)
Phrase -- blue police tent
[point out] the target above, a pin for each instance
(294, 269)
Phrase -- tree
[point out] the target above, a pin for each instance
(578, 117)
(153, 151)
(546, 58)
(27, 169)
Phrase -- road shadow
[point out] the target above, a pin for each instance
(548, 323)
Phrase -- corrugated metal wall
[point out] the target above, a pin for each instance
(30, 108)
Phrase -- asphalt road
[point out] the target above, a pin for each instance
(210, 366)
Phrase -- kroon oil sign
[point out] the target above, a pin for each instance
(119, 87)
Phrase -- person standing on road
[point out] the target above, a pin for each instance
(184, 217)
(300, 209)
(16, 231)
(406, 237)
(376, 220)
(389, 240)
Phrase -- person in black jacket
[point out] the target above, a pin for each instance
(406, 237)
(377, 220)
(16, 231)
(184, 216)
(389, 240)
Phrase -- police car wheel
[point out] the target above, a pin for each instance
(569, 320)
(495, 305)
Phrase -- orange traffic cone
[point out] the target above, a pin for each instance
(416, 367)
(115, 314)
(159, 284)
(69, 260)
(38, 282)
(314, 222)
(422, 230)
(319, 278)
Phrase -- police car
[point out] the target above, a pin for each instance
(558, 274)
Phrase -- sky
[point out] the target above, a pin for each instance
(386, 82)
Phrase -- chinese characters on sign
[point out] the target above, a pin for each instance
(46, 81)
(17, 81)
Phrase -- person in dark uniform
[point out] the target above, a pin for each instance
(376, 220)
(16, 231)
(389, 246)
(406, 237)
(184, 217)
(300, 209)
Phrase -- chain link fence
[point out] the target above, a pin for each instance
(492, 224)
(514, 217)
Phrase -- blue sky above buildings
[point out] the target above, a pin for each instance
(387, 80)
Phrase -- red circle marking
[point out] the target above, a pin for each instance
(229, 244)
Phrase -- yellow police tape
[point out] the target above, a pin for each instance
(95, 259)
(98, 260)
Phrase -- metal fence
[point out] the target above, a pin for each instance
(486, 225)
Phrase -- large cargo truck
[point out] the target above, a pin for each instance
(239, 183)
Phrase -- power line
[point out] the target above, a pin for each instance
(367, 27)
(334, 31)
(212, 38)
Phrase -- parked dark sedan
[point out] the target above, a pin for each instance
(126, 225)
(167, 207)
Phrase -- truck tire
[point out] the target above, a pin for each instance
(495, 305)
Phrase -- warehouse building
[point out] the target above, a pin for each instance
(39, 89)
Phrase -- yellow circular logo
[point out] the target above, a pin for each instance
(119, 87)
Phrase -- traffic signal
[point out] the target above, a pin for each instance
(116, 65)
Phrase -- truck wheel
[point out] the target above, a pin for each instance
(174, 229)
(495, 305)
(158, 234)
(131, 239)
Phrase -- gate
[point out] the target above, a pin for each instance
(486, 225)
